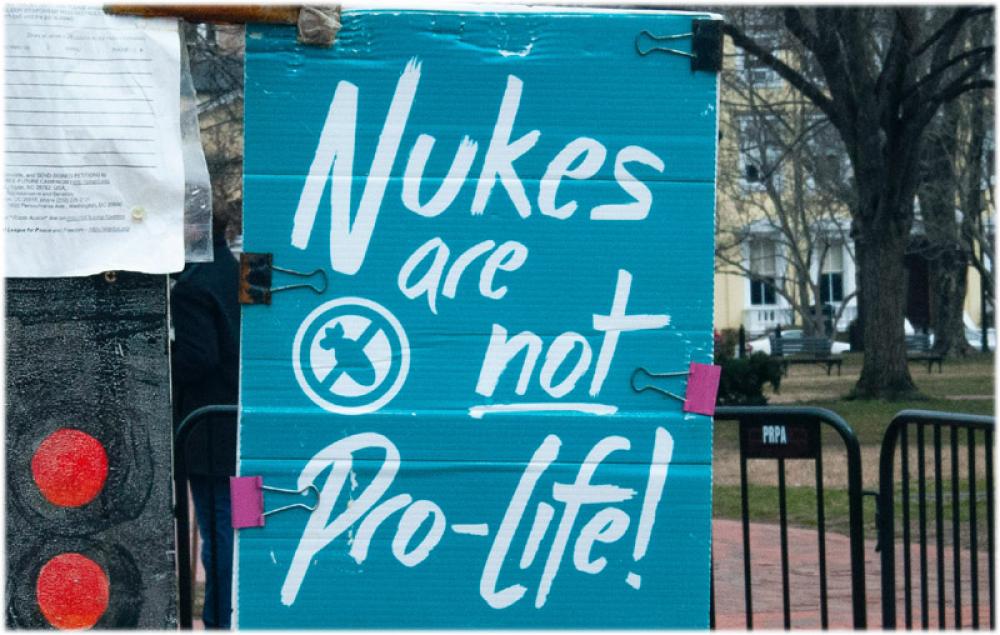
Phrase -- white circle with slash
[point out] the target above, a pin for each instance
(350, 356)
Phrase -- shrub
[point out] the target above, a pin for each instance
(725, 344)
(742, 381)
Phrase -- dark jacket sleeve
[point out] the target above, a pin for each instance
(196, 339)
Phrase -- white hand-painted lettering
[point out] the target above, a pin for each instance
(450, 185)
(509, 256)
(499, 354)
(368, 512)
(663, 452)
(543, 516)
(429, 283)
(359, 548)
(501, 351)
(585, 515)
(334, 160)
(412, 519)
(450, 287)
(593, 153)
(607, 526)
(333, 164)
(617, 322)
(574, 496)
(639, 208)
(540, 461)
(556, 355)
(320, 530)
(501, 154)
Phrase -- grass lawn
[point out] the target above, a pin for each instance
(965, 386)
(801, 509)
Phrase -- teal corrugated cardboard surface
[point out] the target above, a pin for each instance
(530, 219)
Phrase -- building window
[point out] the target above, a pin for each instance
(827, 163)
(762, 272)
(760, 151)
(831, 277)
(754, 72)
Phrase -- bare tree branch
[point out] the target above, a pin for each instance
(954, 90)
(952, 24)
(789, 74)
(984, 52)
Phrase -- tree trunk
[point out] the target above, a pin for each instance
(885, 373)
(886, 171)
(857, 330)
(939, 195)
(948, 278)
(809, 324)
(972, 206)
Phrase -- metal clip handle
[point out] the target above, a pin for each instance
(256, 271)
(301, 285)
(662, 38)
(292, 491)
(648, 386)
(706, 45)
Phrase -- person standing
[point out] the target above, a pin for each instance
(205, 313)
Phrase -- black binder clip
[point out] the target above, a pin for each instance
(706, 44)
(256, 272)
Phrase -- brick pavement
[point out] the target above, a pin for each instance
(804, 591)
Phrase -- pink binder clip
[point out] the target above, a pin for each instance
(246, 494)
(702, 386)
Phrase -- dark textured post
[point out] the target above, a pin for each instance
(88, 379)
(743, 342)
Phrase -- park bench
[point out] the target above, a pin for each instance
(919, 349)
(805, 350)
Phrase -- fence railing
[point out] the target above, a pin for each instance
(948, 509)
(786, 433)
(181, 508)
(759, 320)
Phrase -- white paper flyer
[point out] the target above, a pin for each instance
(94, 171)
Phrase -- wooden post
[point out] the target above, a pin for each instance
(234, 13)
(317, 24)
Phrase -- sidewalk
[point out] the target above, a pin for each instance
(804, 590)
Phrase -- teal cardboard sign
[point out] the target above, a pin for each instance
(514, 212)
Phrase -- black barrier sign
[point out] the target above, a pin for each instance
(780, 440)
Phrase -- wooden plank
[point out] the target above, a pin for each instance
(88, 438)
(231, 13)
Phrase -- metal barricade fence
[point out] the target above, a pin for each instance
(947, 492)
(792, 433)
(181, 508)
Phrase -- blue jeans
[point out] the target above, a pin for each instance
(211, 501)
